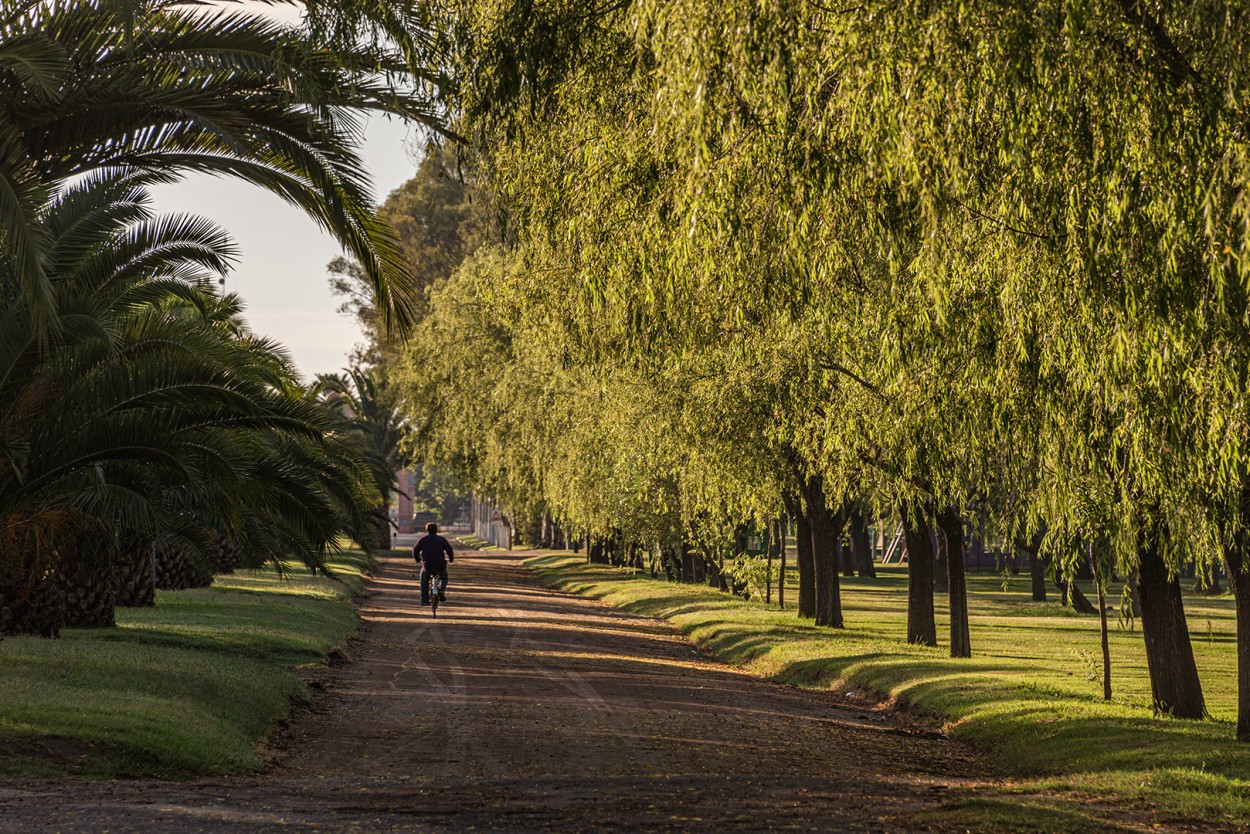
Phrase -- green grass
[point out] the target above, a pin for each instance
(1031, 693)
(477, 543)
(187, 687)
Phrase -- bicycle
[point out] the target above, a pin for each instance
(436, 586)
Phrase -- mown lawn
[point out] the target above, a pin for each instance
(187, 687)
(1031, 693)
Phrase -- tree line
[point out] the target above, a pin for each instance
(148, 438)
(930, 260)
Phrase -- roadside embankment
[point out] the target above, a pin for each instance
(1027, 694)
(190, 686)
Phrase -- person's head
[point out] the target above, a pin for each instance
(431, 527)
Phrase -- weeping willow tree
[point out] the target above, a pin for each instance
(1101, 139)
(942, 256)
(685, 208)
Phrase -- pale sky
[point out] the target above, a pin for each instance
(281, 273)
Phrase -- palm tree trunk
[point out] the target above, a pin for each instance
(90, 595)
(32, 606)
(136, 587)
(177, 570)
(381, 528)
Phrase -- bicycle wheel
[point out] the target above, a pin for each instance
(435, 587)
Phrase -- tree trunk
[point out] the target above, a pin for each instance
(716, 572)
(941, 574)
(781, 571)
(229, 557)
(1174, 683)
(768, 572)
(177, 570)
(826, 528)
(825, 562)
(807, 569)
(1237, 562)
(976, 543)
(132, 577)
(687, 563)
(861, 547)
(1106, 644)
(595, 553)
(1037, 575)
(1207, 580)
(952, 527)
(90, 596)
(921, 622)
(846, 554)
(670, 560)
(736, 586)
(381, 529)
(34, 606)
(1073, 595)
(1084, 570)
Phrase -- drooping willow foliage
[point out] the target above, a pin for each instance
(943, 258)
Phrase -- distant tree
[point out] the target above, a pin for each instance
(367, 416)
(439, 217)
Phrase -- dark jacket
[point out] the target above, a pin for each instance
(433, 552)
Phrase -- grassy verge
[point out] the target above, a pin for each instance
(1031, 693)
(477, 543)
(186, 687)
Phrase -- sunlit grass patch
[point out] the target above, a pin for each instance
(1031, 692)
(182, 688)
(982, 815)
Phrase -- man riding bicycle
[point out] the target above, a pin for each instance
(433, 552)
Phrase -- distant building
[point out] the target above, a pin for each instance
(488, 522)
(406, 479)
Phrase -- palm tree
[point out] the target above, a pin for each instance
(172, 89)
(368, 416)
(148, 414)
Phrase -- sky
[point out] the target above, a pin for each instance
(281, 271)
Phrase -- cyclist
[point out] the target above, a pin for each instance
(432, 552)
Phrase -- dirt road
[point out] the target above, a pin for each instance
(523, 709)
